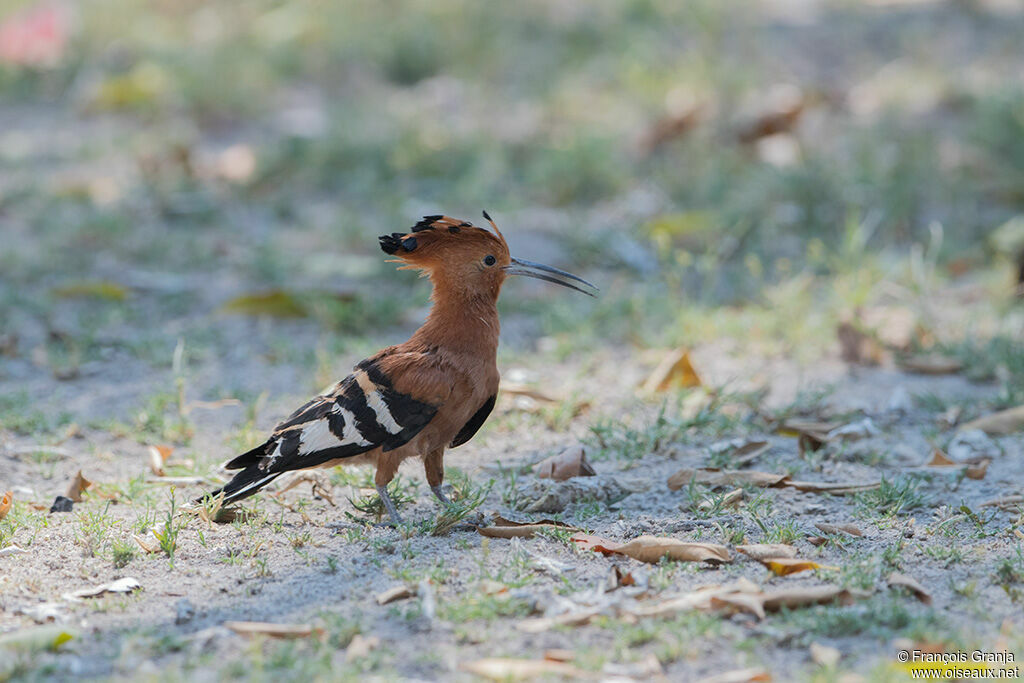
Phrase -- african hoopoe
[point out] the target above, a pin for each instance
(418, 398)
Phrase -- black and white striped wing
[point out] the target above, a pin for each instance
(358, 414)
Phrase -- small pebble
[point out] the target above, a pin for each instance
(61, 504)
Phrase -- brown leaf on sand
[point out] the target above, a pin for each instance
(5, 503)
(397, 593)
(731, 499)
(940, 459)
(806, 595)
(507, 669)
(674, 372)
(811, 434)
(832, 488)
(77, 485)
(858, 347)
(931, 364)
(652, 548)
(506, 528)
(740, 451)
(148, 545)
(784, 566)
(765, 551)
(973, 469)
(262, 628)
(157, 456)
(715, 478)
(978, 470)
(360, 646)
(999, 424)
(837, 528)
(571, 462)
(904, 581)
(683, 117)
(779, 112)
(758, 602)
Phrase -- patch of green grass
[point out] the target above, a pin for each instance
(466, 498)
(401, 491)
(891, 498)
(879, 617)
(18, 414)
(1010, 572)
(479, 607)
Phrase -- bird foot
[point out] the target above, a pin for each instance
(439, 494)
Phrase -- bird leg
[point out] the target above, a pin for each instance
(433, 465)
(387, 466)
(389, 505)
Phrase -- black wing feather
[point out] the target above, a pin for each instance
(474, 424)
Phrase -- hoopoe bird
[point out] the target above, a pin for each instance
(418, 398)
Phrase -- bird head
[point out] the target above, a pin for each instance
(458, 255)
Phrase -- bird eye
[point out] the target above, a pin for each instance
(489, 260)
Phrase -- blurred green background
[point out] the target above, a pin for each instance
(164, 159)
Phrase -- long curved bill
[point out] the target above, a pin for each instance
(548, 274)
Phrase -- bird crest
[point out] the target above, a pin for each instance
(438, 238)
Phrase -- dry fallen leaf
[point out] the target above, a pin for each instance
(811, 435)
(502, 669)
(674, 372)
(157, 456)
(832, 488)
(999, 424)
(715, 478)
(783, 566)
(931, 364)
(77, 485)
(939, 459)
(731, 499)
(780, 109)
(683, 117)
(5, 503)
(262, 628)
(902, 580)
(45, 612)
(652, 548)
(836, 528)
(149, 547)
(125, 585)
(396, 593)
(978, 470)
(765, 551)
(739, 451)
(857, 346)
(571, 462)
(360, 647)
(824, 655)
(506, 528)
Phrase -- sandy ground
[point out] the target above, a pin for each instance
(300, 560)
